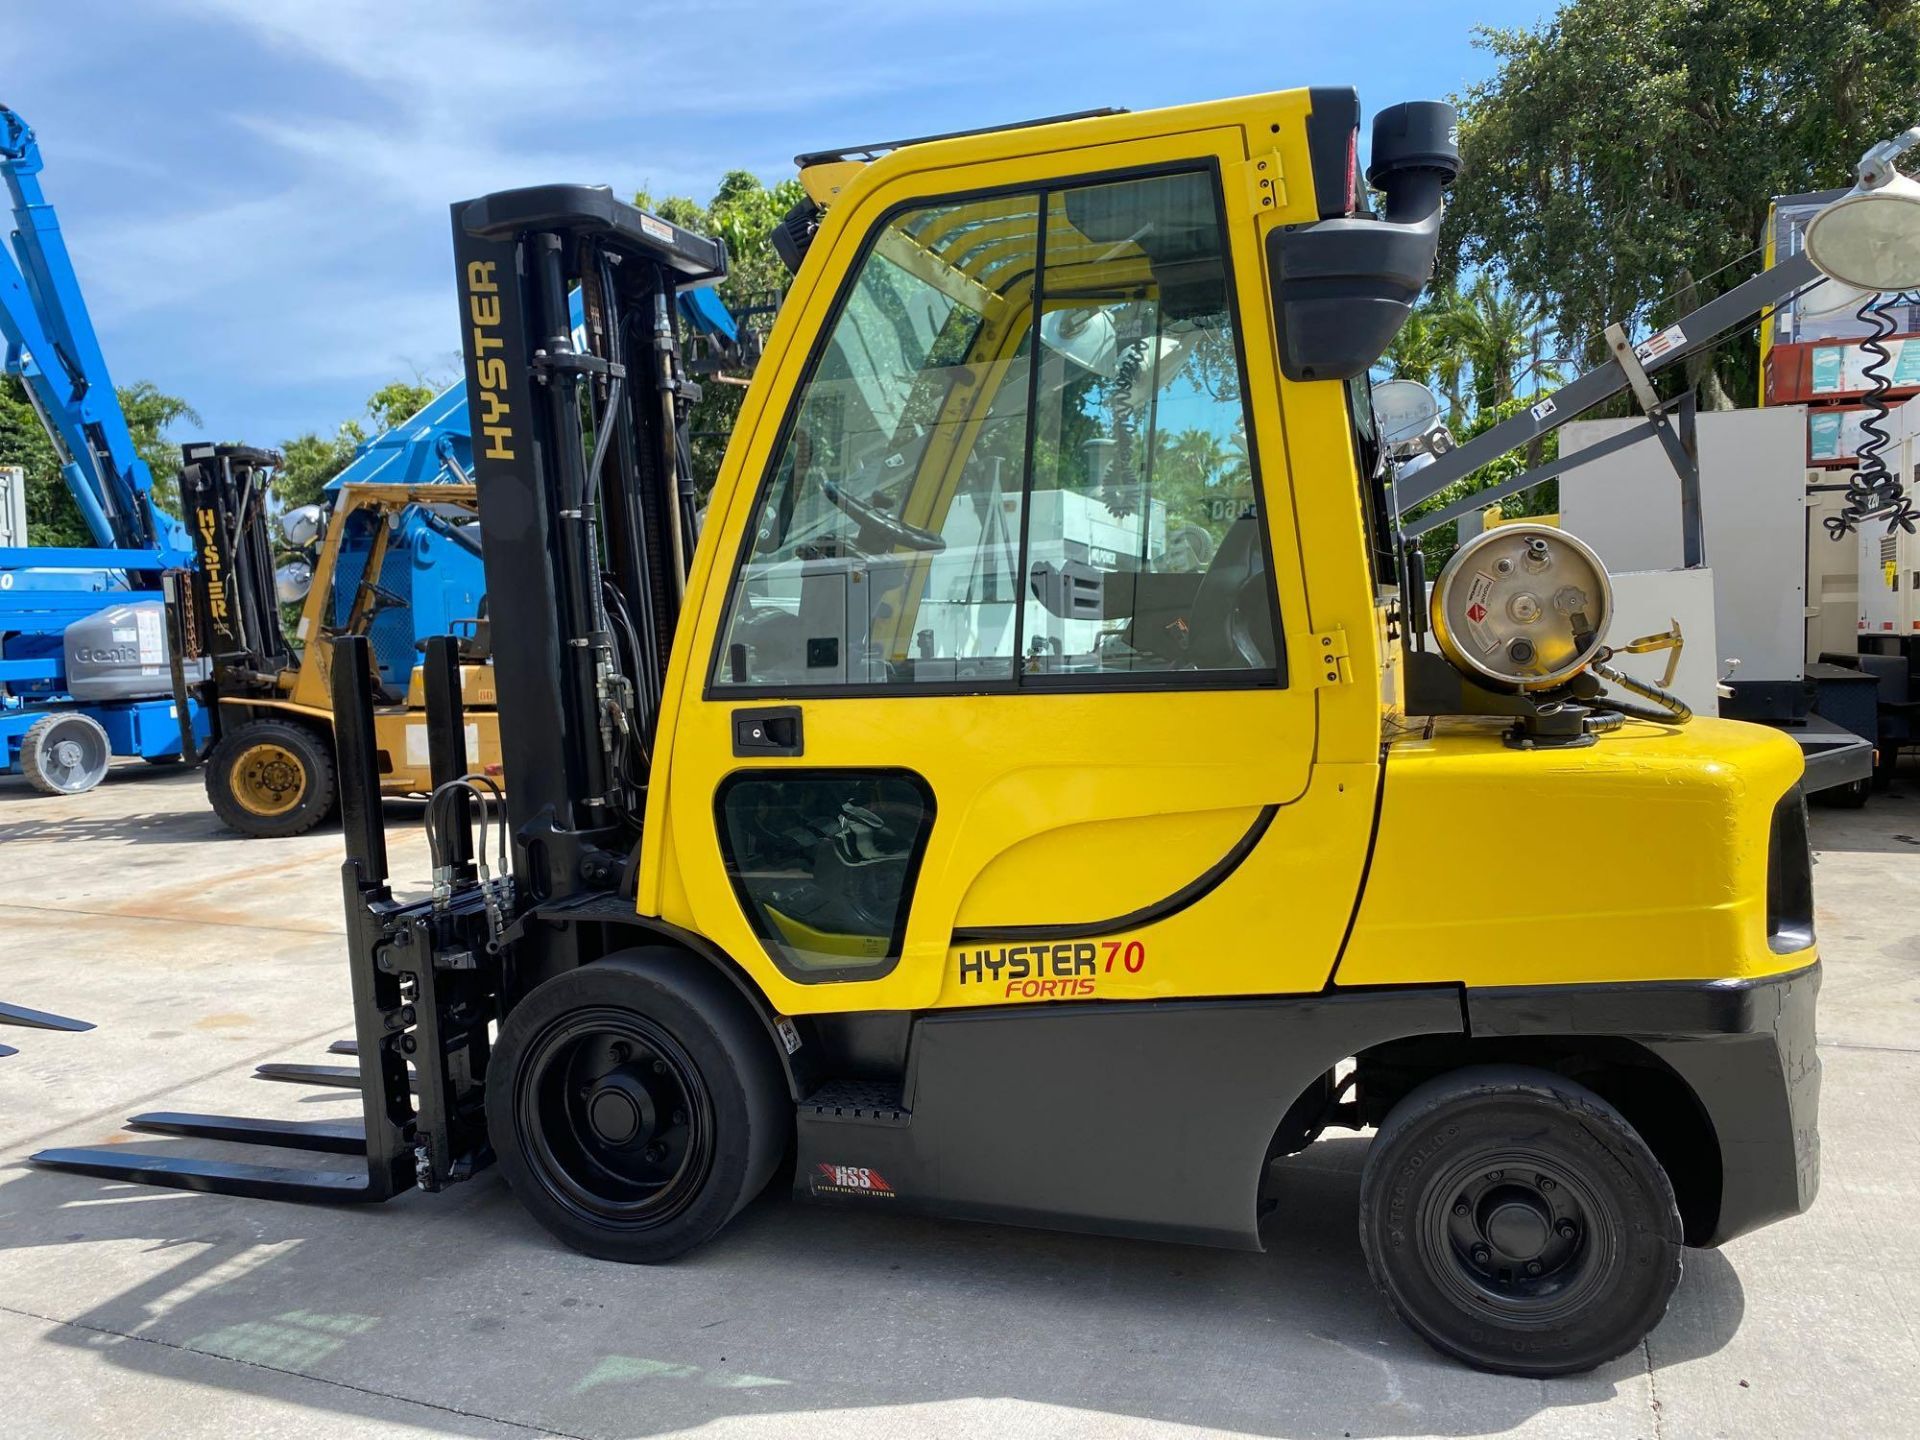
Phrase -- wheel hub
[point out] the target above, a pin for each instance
(615, 1118)
(620, 1111)
(269, 780)
(67, 753)
(1515, 1236)
(1518, 1227)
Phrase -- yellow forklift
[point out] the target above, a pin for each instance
(270, 762)
(1045, 792)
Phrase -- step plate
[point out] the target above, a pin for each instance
(868, 1102)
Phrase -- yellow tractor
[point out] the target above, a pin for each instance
(270, 766)
(1036, 795)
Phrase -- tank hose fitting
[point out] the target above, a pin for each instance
(1667, 708)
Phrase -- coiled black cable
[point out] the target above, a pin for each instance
(1875, 491)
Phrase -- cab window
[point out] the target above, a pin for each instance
(1021, 458)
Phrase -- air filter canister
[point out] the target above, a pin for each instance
(1523, 607)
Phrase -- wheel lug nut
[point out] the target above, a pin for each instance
(1495, 1174)
(659, 1067)
(1533, 1267)
(1546, 1184)
(656, 1152)
(679, 1117)
(1460, 1207)
(1481, 1255)
(620, 1052)
(1567, 1230)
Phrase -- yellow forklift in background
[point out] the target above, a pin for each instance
(1045, 792)
(270, 766)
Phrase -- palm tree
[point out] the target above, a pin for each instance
(1423, 352)
(1501, 335)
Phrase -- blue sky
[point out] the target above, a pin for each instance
(255, 192)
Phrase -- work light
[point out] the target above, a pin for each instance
(1870, 237)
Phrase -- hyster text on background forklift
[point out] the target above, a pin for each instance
(1032, 799)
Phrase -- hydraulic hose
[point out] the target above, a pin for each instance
(1667, 708)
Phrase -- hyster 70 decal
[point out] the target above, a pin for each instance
(1067, 970)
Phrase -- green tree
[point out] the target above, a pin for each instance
(1497, 336)
(1422, 352)
(52, 516)
(1626, 151)
(151, 413)
(399, 401)
(742, 213)
(312, 459)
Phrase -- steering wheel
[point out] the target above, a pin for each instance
(895, 533)
(1230, 630)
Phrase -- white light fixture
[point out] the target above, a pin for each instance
(1086, 337)
(292, 581)
(1404, 410)
(301, 525)
(1831, 297)
(1870, 237)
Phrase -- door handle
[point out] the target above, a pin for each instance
(768, 730)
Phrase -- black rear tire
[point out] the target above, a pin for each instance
(1851, 796)
(635, 1105)
(1516, 1221)
(271, 778)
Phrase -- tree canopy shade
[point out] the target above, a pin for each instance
(1625, 151)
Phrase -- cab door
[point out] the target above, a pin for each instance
(1003, 686)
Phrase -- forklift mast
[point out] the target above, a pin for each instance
(590, 510)
(225, 607)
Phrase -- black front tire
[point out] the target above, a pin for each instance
(636, 1105)
(1517, 1222)
(271, 778)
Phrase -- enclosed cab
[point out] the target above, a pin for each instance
(1110, 841)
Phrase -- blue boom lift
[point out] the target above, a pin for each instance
(84, 671)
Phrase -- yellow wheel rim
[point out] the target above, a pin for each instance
(268, 780)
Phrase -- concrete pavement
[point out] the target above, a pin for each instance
(198, 955)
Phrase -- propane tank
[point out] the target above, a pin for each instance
(1522, 607)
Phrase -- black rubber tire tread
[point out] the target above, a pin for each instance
(33, 750)
(1851, 796)
(1508, 1104)
(753, 1111)
(316, 755)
